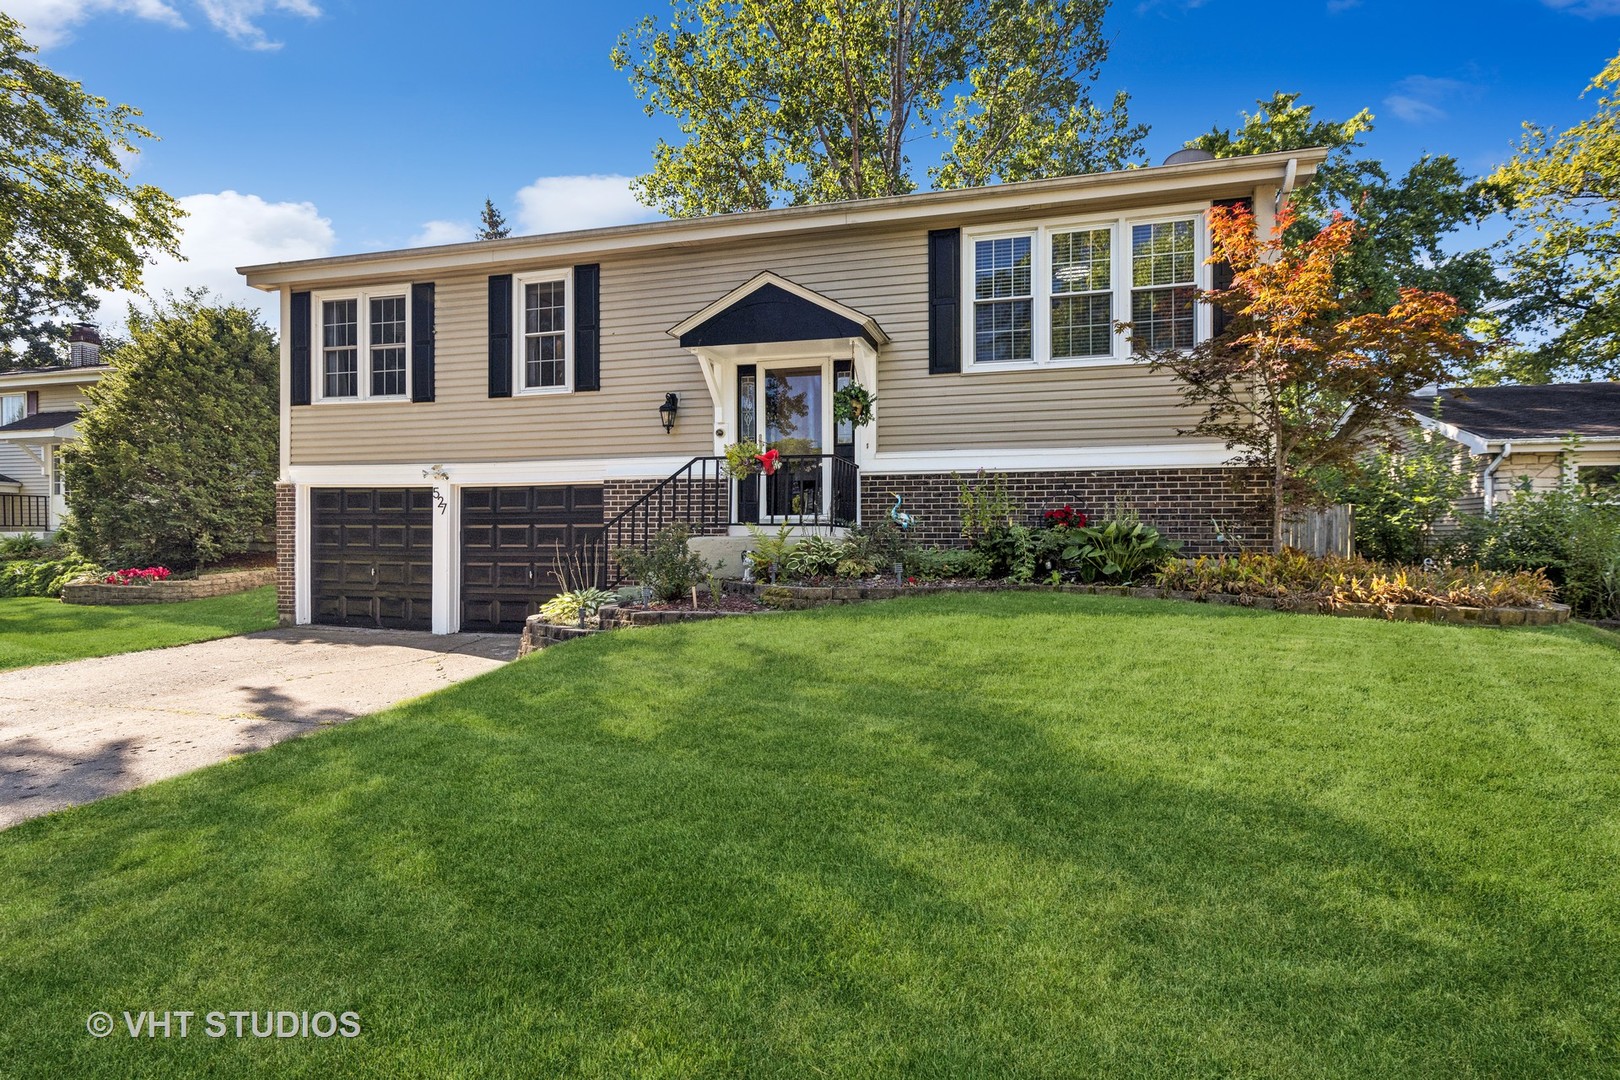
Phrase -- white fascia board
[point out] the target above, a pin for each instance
(1026, 199)
(490, 473)
(1456, 434)
(17, 382)
(1188, 455)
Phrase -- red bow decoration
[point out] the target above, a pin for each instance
(767, 461)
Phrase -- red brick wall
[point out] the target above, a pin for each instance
(1181, 503)
(286, 550)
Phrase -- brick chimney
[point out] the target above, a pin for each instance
(84, 346)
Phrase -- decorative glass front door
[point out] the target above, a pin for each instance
(792, 405)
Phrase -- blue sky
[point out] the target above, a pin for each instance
(297, 128)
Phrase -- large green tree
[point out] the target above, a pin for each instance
(177, 457)
(806, 101)
(70, 221)
(1564, 251)
(1407, 223)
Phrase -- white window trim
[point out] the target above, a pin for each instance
(519, 348)
(57, 484)
(1119, 277)
(362, 299)
(20, 396)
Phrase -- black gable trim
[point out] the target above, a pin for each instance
(771, 313)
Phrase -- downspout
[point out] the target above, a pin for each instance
(1490, 477)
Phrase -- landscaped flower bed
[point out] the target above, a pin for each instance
(1335, 581)
(134, 576)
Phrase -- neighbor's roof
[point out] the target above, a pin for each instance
(1498, 413)
(40, 423)
(1218, 178)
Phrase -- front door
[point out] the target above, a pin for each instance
(793, 401)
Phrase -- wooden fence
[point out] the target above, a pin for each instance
(1325, 531)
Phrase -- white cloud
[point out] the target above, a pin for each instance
(1417, 98)
(221, 232)
(50, 22)
(1591, 9)
(562, 203)
(443, 232)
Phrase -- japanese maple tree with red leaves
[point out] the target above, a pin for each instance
(1294, 383)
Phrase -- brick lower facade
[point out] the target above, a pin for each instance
(1184, 504)
(286, 550)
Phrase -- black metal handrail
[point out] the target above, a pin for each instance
(804, 490)
(25, 512)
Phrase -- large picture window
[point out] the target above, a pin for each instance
(364, 347)
(13, 407)
(544, 334)
(1054, 293)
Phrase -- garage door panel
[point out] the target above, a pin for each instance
(510, 542)
(372, 557)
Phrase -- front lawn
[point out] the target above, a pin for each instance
(38, 630)
(986, 836)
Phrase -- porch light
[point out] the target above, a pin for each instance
(667, 411)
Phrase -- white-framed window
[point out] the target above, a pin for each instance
(544, 332)
(364, 345)
(1164, 284)
(58, 485)
(1050, 293)
(13, 407)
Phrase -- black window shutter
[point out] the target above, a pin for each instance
(500, 335)
(299, 334)
(422, 341)
(588, 327)
(1221, 274)
(31, 403)
(944, 301)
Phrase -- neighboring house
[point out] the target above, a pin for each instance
(455, 417)
(1535, 436)
(38, 410)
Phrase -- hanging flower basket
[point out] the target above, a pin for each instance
(852, 404)
(742, 459)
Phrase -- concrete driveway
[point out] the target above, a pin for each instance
(71, 733)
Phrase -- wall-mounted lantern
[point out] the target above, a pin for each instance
(667, 411)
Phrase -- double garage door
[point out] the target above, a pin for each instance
(372, 557)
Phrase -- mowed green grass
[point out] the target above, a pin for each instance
(1021, 835)
(37, 630)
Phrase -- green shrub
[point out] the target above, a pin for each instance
(1398, 497)
(23, 546)
(1572, 537)
(1336, 580)
(1006, 551)
(669, 567)
(44, 577)
(881, 543)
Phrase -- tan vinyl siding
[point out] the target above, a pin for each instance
(14, 461)
(882, 273)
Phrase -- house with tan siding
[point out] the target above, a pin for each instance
(1527, 438)
(39, 411)
(456, 419)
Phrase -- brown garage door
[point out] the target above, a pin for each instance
(512, 539)
(372, 557)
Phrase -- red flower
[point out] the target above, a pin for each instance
(767, 461)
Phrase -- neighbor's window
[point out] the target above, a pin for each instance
(1164, 262)
(58, 484)
(542, 314)
(1003, 299)
(1600, 479)
(364, 350)
(1082, 293)
(13, 407)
